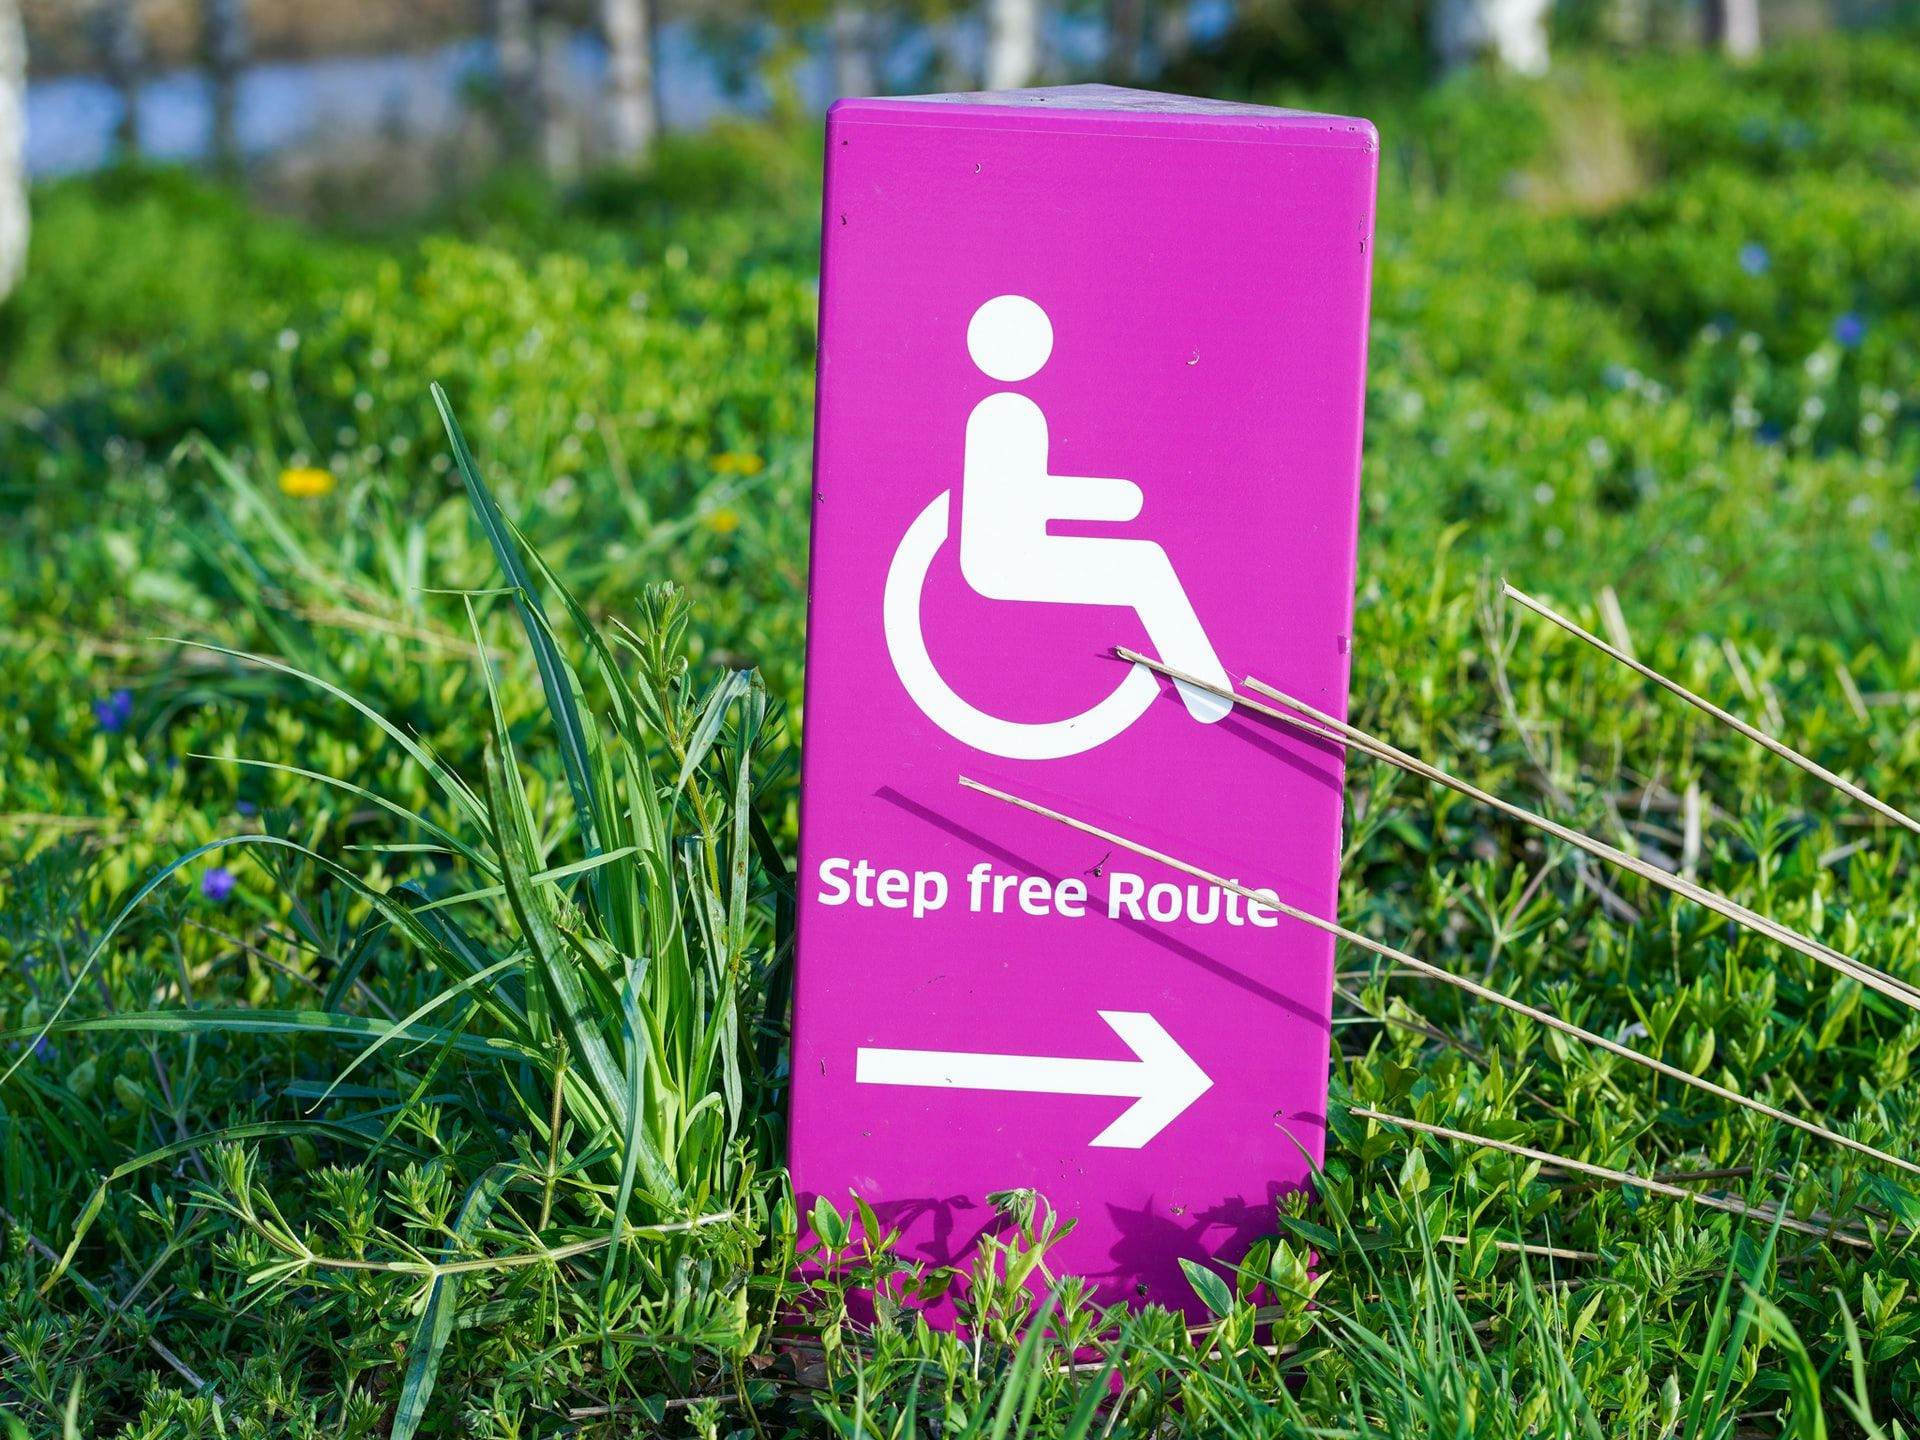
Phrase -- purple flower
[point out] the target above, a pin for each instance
(114, 711)
(1754, 258)
(247, 807)
(217, 884)
(1850, 329)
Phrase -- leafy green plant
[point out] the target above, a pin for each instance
(610, 954)
(436, 1079)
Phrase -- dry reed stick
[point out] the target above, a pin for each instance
(1479, 991)
(112, 1308)
(1334, 731)
(1734, 722)
(1520, 1247)
(1619, 1177)
(1339, 732)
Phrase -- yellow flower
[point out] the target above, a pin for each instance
(305, 482)
(724, 521)
(738, 462)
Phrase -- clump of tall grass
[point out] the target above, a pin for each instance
(608, 960)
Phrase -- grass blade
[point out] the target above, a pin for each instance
(557, 680)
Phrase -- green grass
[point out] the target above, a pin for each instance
(459, 1112)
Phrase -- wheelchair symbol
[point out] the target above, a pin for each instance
(1008, 497)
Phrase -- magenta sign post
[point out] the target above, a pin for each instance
(1092, 365)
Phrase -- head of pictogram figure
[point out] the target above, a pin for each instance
(1010, 338)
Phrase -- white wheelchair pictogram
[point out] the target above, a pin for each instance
(1008, 497)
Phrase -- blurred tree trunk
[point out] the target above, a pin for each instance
(1013, 43)
(116, 35)
(223, 44)
(952, 67)
(1510, 32)
(1172, 33)
(559, 138)
(517, 60)
(851, 29)
(1629, 23)
(1126, 37)
(13, 146)
(633, 97)
(1733, 26)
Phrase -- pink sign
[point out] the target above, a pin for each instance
(1092, 366)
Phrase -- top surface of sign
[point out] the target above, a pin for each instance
(1116, 99)
(1088, 377)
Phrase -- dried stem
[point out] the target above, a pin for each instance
(1734, 722)
(1335, 731)
(1620, 1177)
(1435, 972)
(1521, 1247)
(112, 1308)
(1340, 732)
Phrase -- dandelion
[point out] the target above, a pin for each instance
(1754, 258)
(217, 884)
(1850, 329)
(114, 711)
(724, 521)
(306, 482)
(738, 462)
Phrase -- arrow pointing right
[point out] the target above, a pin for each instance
(1162, 1079)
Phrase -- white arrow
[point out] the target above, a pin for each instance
(1162, 1079)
